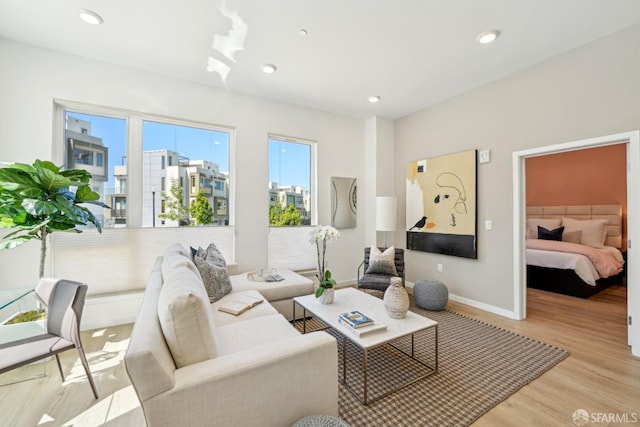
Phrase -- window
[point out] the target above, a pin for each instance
(291, 179)
(86, 135)
(129, 153)
(188, 154)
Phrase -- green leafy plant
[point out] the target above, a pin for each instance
(40, 199)
(280, 217)
(201, 210)
(175, 209)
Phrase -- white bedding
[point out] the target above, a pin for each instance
(569, 261)
(564, 261)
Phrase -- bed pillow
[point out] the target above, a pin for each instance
(571, 236)
(593, 232)
(382, 262)
(548, 223)
(555, 234)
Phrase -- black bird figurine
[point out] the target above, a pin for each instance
(420, 224)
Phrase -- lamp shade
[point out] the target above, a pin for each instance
(385, 213)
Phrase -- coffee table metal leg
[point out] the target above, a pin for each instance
(365, 370)
(304, 320)
(344, 360)
(412, 345)
(436, 346)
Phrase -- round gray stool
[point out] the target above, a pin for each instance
(320, 421)
(430, 294)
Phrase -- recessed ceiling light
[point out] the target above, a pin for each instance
(487, 36)
(302, 32)
(374, 99)
(269, 68)
(90, 17)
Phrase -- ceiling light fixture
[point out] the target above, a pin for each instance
(374, 99)
(90, 17)
(269, 68)
(488, 36)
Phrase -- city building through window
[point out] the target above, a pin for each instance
(170, 155)
(290, 181)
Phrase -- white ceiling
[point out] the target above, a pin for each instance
(413, 53)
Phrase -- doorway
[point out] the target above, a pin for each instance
(632, 140)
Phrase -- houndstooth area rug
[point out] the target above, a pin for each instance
(479, 366)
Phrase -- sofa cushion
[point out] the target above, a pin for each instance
(176, 256)
(185, 317)
(213, 270)
(221, 318)
(251, 333)
(293, 285)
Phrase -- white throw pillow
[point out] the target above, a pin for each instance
(593, 232)
(186, 319)
(382, 262)
(548, 223)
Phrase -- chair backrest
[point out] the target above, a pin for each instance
(398, 260)
(65, 302)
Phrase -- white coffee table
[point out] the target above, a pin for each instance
(350, 299)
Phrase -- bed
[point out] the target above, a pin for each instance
(574, 250)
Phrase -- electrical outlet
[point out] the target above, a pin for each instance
(488, 225)
(485, 156)
(439, 268)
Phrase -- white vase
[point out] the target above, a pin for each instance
(326, 297)
(396, 299)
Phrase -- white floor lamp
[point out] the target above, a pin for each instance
(385, 215)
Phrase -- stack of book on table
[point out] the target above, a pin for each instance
(359, 323)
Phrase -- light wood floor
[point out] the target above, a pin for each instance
(599, 376)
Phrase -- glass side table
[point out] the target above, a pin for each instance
(13, 303)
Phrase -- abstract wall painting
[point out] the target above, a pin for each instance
(344, 202)
(442, 204)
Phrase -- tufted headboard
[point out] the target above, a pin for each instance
(612, 213)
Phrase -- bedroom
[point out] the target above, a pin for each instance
(592, 177)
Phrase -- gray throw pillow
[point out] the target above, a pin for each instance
(382, 262)
(212, 254)
(213, 270)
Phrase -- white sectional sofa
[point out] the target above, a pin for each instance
(192, 365)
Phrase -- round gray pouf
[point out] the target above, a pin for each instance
(430, 295)
(320, 421)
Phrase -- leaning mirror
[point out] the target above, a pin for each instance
(344, 197)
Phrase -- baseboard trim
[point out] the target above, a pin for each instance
(473, 303)
(485, 307)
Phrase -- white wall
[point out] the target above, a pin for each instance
(591, 91)
(31, 78)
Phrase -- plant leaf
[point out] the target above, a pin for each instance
(13, 180)
(86, 194)
(16, 241)
(77, 175)
(319, 291)
(39, 207)
(51, 181)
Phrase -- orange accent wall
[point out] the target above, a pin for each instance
(594, 176)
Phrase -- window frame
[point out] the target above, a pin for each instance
(134, 149)
(313, 151)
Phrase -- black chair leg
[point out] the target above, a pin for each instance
(59, 367)
(83, 358)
